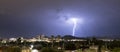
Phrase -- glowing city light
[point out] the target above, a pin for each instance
(31, 46)
(34, 50)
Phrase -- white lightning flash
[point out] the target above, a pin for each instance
(74, 25)
(74, 21)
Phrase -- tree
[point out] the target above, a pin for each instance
(58, 36)
(70, 46)
(52, 38)
(116, 50)
(48, 50)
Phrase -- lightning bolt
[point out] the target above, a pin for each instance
(74, 27)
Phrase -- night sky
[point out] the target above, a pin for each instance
(29, 18)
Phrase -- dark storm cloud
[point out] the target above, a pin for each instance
(46, 16)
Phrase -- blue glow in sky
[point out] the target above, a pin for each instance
(29, 18)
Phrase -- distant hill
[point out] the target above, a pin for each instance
(71, 37)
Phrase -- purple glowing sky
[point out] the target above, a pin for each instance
(29, 18)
